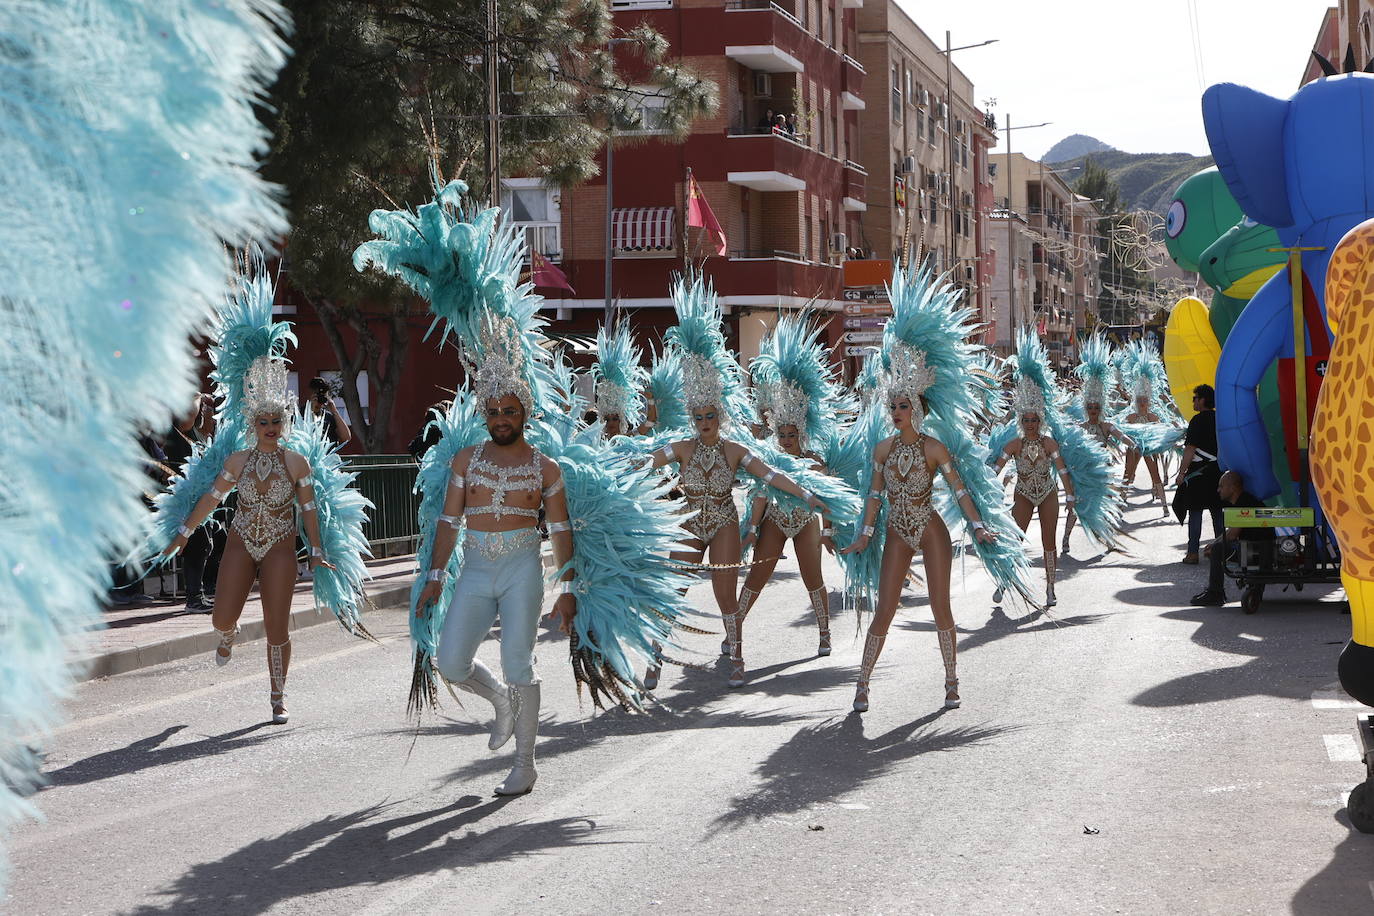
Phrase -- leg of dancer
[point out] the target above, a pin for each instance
(937, 552)
(277, 579)
(807, 545)
(725, 550)
(237, 572)
(897, 557)
(1049, 528)
(692, 552)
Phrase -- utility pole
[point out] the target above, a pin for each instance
(608, 277)
(949, 150)
(493, 74)
(1011, 229)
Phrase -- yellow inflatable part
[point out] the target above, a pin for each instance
(1191, 352)
(1248, 285)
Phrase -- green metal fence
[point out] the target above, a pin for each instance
(389, 481)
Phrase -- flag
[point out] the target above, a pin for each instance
(699, 214)
(545, 274)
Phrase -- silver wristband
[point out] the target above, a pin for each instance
(978, 525)
(867, 531)
(565, 586)
(184, 531)
(827, 532)
(316, 552)
(437, 575)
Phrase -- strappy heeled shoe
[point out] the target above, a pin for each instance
(1050, 599)
(225, 650)
(823, 647)
(279, 714)
(952, 700)
(861, 696)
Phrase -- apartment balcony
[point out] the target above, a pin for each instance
(855, 177)
(770, 161)
(772, 277)
(852, 80)
(764, 36)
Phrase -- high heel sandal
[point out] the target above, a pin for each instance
(821, 606)
(949, 655)
(225, 650)
(872, 646)
(952, 700)
(276, 675)
(861, 697)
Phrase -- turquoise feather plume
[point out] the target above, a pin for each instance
(698, 333)
(129, 143)
(617, 364)
(665, 387)
(792, 354)
(850, 458)
(341, 511)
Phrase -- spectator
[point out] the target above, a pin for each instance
(429, 434)
(322, 401)
(126, 585)
(200, 558)
(1199, 476)
(791, 124)
(1232, 491)
(780, 124)
(766, 122)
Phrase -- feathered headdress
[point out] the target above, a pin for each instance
(1035, 384)
(1143, 374)
(797, 382)
(710, 375)
(464, 261)
(665, 388)
(265, 391)
(620, 379)
(1095, 370)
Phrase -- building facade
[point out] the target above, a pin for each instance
(1052, 230)
(788, 193)
(925, 144)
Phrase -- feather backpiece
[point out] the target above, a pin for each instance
(129, 141)
(665, 387)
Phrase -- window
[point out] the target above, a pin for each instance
(535, 207)
(641, 4)
(646, 114)
(896, 96)
(910, 96)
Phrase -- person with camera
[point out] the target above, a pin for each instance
(322, 402)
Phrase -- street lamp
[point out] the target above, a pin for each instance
(948, 52)
(1011, 228)
(609, 316)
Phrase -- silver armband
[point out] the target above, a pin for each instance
(1053, 456)
(946, 468)
(960, 493)
(565, 586)
(437, 575)
(827, 532)
(867, 531)
(228, 476)
(304, 482)
(768, 478)
(559, 527)
(220, 495)
(667, 453)
(457, 480)
(875, 494)
(308, 507)
(877, 465)
(555, 489)
(451, 520)
(1070, 499)
(184, 531)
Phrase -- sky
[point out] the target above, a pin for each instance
(1122, 71)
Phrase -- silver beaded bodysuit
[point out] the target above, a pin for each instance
(265, 513)
(790, 521)
(707, 481)
(1034, 472)
(906, 477)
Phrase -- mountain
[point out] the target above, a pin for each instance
(1076, 147)
(1147, 180)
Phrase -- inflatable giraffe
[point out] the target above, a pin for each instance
(1342, 445)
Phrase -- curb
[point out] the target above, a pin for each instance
(122, 661)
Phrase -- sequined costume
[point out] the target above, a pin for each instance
(1035, 472)
(501, 481)
(906, 478)
(265, 514)
(707, 484)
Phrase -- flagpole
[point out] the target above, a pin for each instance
(686, 210)
(609, 317)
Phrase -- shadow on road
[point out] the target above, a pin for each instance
(146, 753)
(362, 848)
(1284, 646)
(1000, 626)
(1344, 880)
(831, 759)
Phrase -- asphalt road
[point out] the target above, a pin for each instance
(1127, 756)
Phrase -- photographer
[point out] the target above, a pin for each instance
(322, 401)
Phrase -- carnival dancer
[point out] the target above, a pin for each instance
(620, 383)
(1152, 421)
(931, 397)
(793, 376)
(617, 594)
(708, 462)
(288, 480)
(1071, 456)
(1095, 371)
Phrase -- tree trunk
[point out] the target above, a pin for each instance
(373, 431)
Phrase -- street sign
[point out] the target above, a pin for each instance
(865, 295)
(868, 308)
(859, 351)
(874, 322)
(859, 337)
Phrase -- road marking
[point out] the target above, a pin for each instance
(204, 691)
(1334, 699)
(1341, 748)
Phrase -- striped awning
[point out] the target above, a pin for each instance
(643, 228)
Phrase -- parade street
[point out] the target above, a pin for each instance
(1127, 755)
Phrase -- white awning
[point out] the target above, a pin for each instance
(645, 229)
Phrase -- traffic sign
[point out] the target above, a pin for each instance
(877, 294)
(859, 351)
(874, 322)
(859, 337)
(868, 308)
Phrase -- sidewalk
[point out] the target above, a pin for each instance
(163, 631)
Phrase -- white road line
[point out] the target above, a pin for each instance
(205, 691)
(1334, 699)
(1342, 748)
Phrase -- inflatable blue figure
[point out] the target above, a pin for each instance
(1306, 167)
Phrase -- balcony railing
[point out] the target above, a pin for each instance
(545, 238)
(764, 254)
